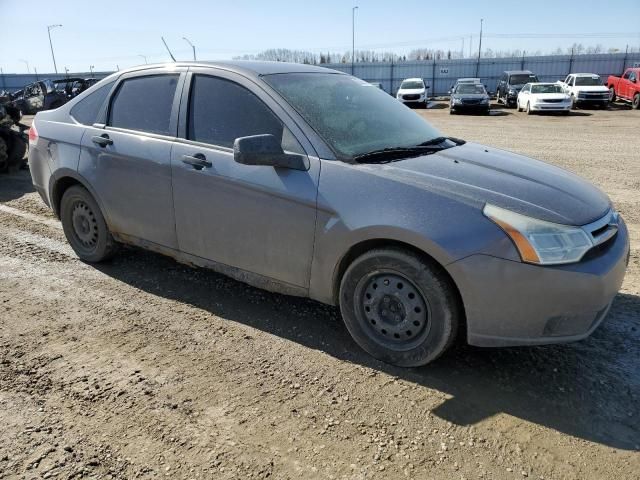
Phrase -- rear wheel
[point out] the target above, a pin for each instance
(399, 308)
(85, 227)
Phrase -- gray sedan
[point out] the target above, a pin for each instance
(310, 182)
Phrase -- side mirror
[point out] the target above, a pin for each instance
(266, 150)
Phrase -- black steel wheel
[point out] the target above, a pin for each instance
(84, 226)
(399, 307)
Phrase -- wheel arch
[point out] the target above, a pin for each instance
(364, 246)
(61, 181)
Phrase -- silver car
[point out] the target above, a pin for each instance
(309, 182)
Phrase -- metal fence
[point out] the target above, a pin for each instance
(439, 75)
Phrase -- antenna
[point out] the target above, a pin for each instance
(167, 47)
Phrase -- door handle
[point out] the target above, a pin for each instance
(102, 140)
(197, 161)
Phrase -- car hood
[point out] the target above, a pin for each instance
(410, 91)
(592, 89)
(476, 175)
(549, 96)
(470, 96)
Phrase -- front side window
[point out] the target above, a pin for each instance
(632, 77)
(86, 110)
(349, 115)
(144, 104)
(221, 111)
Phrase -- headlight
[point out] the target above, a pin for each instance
(484, 101)
(457, 101)
(541, 242)
(512, 91)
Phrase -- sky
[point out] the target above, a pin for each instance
(116, 33)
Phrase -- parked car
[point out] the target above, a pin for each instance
(510, 84)
(625, 88)
(377, 85)
(413, 91)
(543, 97)
(71, 87)
(307, 181)
(38, 96)
(470, 97)
(585, 89)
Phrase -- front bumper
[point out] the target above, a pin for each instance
(511, 303)
(550, 107)
(470, 107)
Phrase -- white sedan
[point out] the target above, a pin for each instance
(543, 97)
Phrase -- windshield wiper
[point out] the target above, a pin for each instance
(439, 140)
(386, 155)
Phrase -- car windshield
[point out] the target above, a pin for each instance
(521, 79)
(411, 85)
(470, 88)
(353, 117)
(546, 88)
(592, 81)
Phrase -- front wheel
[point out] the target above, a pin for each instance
(528, 109)
(398, 307)
(518, 107)
(636, 102)
(612, 95)
(85, 227)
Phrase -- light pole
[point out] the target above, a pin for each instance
(143, 56)
(27, 63)
(49, 27)
(91, 70)
(353, 37)
(193, 47)
(479, 49)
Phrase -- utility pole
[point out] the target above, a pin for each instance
(193, 47)
(480, 43)
(462, 50)
(36, 72)
(353, 37)
(470, 46)
(49, 27)
(91, 70)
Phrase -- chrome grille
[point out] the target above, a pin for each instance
(603, 230)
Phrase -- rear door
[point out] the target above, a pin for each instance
(258, 219)
(128, 160)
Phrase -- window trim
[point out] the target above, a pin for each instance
(299, 129)
(175, 105)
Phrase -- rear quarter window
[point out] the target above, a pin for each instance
(144, 104)
(86, 110)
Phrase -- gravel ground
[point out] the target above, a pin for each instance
(144, 368)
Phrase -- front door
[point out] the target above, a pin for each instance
(258, 219)
(128, 161)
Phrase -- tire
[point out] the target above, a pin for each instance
(612, 95)
(85, 227)
(636, 101)
(574, 105)
(16, 153)
(518, 108)
(451, 111)
(399, 308)
(528, 109)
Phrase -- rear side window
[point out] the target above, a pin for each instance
(221, 111)
(144, 104)
(86, 110)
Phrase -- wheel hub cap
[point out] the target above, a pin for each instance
(394, 310)
(85, 225)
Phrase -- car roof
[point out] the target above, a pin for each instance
(413, 79)
(252, 68)
(584, 74)
(542, 83)
(514, 72)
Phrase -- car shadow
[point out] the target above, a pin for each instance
(15, 185)
(589, 390)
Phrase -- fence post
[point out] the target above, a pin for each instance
(433, 78)
(570, 63)
(391, 77)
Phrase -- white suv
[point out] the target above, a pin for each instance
(413, 91)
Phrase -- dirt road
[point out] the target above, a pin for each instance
(143, 368)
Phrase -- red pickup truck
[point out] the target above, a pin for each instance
(626, 87)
